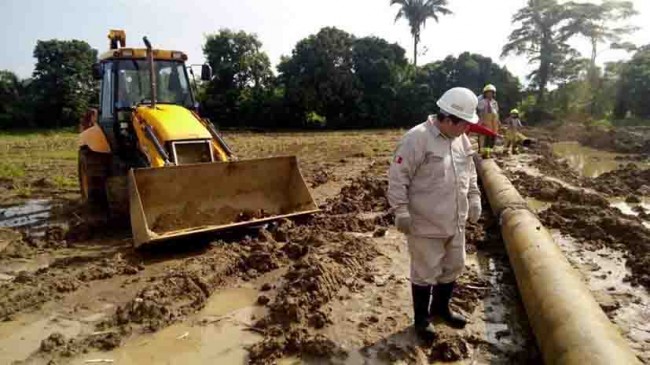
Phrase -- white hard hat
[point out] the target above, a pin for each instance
(489, 87)
(461, 102)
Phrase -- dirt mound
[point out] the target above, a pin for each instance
(13, 245)
(621, 182)
(549, 165)
(181, 291)
(192, 215)
(345, 223)
(297, 341)
(56, 344)
(624, 181)
(451, 348)
(365, 194)
(28, 290)
(24, 244)
(623, 140)
(469, 291)
(320, 177)
(393, 353)
(605, 226)
(313, 281)
(107, 268)
(260, 256)
(547, 190)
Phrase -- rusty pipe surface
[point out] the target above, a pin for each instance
(569, 325)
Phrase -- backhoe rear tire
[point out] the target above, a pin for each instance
(93, 168)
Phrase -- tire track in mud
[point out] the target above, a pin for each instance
(28, 290)
(330, 258)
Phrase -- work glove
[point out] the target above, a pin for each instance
(474, 208)
(403, 220)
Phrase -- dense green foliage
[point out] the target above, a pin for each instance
(242, 78)
(544, 30)
(333, 79)
(58, 94)
(13, 94)
(62, 85)
(634, 86)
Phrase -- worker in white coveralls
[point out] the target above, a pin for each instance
(433, 191)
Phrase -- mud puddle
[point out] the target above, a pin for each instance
(22, 337)
(11, 267)
(31, 214)
(633, 209)
(590, 162)
(218, 334)
(604, 271)
(504, 315)
(537, 205)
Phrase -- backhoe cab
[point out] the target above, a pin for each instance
(150, 154)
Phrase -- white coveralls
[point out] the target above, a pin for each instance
(431, 177)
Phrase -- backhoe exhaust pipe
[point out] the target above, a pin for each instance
(152, 71)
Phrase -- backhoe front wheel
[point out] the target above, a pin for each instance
(93, 170)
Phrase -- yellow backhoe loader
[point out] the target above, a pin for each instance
(149, 155)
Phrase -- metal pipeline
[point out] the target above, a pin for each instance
(569, 325)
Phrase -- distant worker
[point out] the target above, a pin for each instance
(513, 131)
(488, 112)
(88, 119)
(433, 191)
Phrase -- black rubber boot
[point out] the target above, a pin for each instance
(423, 329)
(440, 306)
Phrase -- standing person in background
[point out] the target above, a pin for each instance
(513, 129)
(488, 112)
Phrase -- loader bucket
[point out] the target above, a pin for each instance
(178, 201)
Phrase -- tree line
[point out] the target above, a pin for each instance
(336, 80)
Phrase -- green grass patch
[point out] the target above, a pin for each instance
(58, 154)
(64, 181)
(23, 190)
(11, 171)
(631, 122)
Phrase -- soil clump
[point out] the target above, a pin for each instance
(600, 227)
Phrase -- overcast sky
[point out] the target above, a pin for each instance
(476, 26)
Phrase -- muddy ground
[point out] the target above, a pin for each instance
(332, 288)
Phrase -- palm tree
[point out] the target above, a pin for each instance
(417, 12)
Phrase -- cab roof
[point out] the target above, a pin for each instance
(141, 53)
